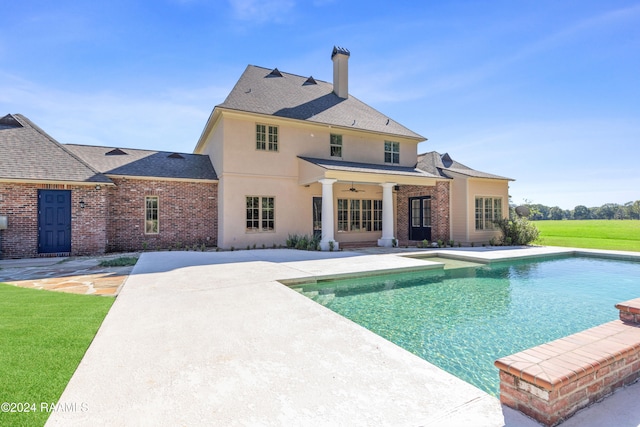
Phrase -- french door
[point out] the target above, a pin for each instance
(420, 218)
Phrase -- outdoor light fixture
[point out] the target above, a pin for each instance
(98, 187)
(82, 204)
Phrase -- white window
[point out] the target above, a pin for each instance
(359, 215)
(377, 215)
(391, 152)
(488, 210)
(151, 225)
(260, 213)
(266, 137)
(335, 145)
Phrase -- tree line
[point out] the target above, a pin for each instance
(630, 210)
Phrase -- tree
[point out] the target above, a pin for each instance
(636, 208)
(555, 213)
(581, 212)
(607, 211)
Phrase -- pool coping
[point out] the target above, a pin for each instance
(215, 338)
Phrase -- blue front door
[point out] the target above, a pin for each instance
(54, 221)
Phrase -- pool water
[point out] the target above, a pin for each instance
(463, 319)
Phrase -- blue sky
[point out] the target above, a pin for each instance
(545, 92)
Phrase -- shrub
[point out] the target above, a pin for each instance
(516, 231)
(292, 240)
(303, 242)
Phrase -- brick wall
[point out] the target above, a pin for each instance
(439, 210)
(187, 214)
(20, 203)
(113, 217)
(89, 224)
(553, 381)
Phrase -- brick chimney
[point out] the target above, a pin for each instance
(340, 58)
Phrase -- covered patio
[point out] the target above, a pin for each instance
(388, 180)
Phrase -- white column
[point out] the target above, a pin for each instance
(387, 215)
(327, 215)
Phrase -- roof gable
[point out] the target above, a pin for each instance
(439, 164)
(30, 154)
(304, 98)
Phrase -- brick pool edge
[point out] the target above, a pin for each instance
(552, 381)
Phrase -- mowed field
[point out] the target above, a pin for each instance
(595, 234)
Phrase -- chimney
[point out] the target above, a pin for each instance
(340, 58)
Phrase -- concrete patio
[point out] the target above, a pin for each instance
(214, 339)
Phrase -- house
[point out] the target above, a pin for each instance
(80, 200)
(294, 154)
(283, 154)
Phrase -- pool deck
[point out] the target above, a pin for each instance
(214, 339)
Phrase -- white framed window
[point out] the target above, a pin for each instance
(260, 214)
(151, 219)
(335, 145)
(343, 215)
(357, 215)
(392, 152)
(377, 215)
(488, 210)
(266, 137)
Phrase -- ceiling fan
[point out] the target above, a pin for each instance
(353, 189)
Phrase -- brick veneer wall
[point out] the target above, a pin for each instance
(20, 203)
(440, 229)
(551, 382)
(113, 216)
(187, 214)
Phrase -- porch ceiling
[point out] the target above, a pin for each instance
(311, 170)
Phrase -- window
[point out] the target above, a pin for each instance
(151, 215)
(391, 152)
(336, 145)
(488, 209)
(415, 213)
(426, 212)
(266, 137)
(359, 215)
(261, 213)
(377, 215)
(354, 209)
(366, 215)
(343, 215)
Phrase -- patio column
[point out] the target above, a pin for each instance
(387, 215)
(327, 215)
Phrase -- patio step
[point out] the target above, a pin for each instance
(356, 245)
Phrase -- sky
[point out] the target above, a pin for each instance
(542, 91)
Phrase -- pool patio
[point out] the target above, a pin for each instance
(206, 338)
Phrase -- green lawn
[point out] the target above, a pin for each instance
(43, 336)
(595, 234)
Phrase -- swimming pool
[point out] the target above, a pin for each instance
(463, 319)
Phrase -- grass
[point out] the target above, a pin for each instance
(621, 235)
(119, 262)
(43, 337)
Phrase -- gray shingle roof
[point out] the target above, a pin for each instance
(145, 163)
(368, 168)
(439, 164)
(296, 97)
(29, 153)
